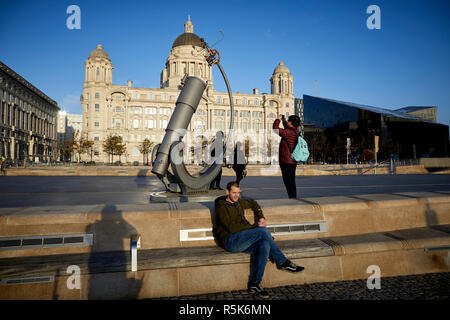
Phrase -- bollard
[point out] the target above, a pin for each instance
(135, 244)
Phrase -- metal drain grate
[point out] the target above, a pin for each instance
(297, 228)
(47, 241)
(279, 229)
(13, 281)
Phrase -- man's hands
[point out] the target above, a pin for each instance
(262, 223)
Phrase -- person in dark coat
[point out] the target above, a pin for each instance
(289, 137)
(239, 162)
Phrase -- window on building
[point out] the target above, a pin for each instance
(97, 75)
(162, 123)
(150, 96)
(165, 97)
(97, 107)
(151, 123)
(136, 110)
(117, 123)
(135, 123)
(97, 95)
(244, 101)
(271, 103)
(118, 109)
(96, 152)
(198, 125)
(96, 137)
(165, 111)
(96, 123)
(135, 95)
(287, 104)
(218, 99)
(87, 107)
(219, 124)
(151, 110)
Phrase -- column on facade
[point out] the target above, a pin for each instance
(31, 148)
(12, 147)
(109, 110)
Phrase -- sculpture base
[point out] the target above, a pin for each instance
(167, 196)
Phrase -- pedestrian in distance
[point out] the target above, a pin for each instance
(239, 163)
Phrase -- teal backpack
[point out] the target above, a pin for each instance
(300, 152)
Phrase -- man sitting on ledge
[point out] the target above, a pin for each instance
(235, 234)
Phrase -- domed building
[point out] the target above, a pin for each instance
(139, 113)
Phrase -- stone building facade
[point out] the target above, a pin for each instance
(28, 119)
(140, 113)
(68, 124)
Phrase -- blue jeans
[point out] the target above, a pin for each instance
(259, 243)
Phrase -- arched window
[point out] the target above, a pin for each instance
(97, 75)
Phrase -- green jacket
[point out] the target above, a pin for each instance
(230, 218)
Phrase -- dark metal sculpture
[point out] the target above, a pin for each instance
(170, 151)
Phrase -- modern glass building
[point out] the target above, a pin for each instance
(328, 123)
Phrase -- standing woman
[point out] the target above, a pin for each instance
(289, 136)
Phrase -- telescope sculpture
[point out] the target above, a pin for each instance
(170, 151)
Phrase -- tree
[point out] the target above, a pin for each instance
(86, 146)
(119, 147)
(108, 147)
(66, 147)
(144, 149)
(368, 155)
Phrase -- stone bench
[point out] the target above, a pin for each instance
(204, 269)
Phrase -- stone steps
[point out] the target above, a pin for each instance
(403, 233)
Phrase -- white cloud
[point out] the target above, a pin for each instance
(71, 103)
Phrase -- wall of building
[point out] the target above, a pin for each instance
(28, 120)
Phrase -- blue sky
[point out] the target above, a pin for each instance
(404, 63)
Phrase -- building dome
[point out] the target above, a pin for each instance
(281, 68)
(99, 53)
(188, 38)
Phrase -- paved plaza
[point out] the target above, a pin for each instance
(20, 191)
(432, 286)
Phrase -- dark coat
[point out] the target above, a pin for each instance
(230, 218)
(289, 138)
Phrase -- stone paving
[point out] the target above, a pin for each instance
(432, 286)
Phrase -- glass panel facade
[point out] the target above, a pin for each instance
(328, 124)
